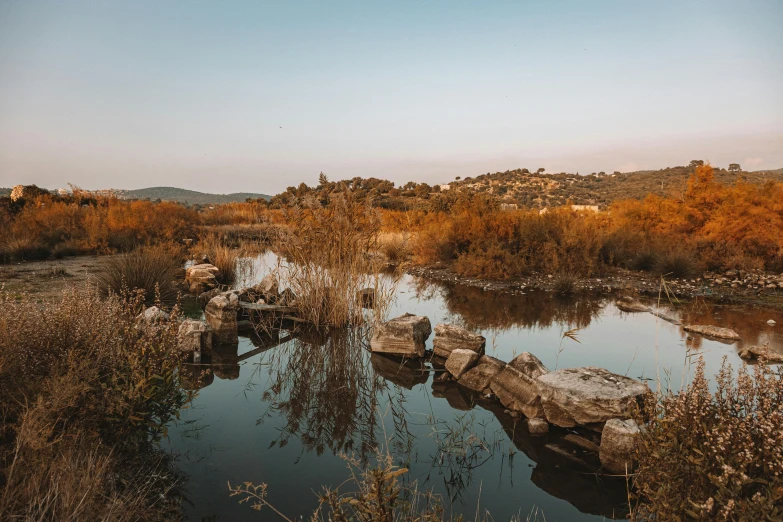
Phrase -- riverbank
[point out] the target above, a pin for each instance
(730, 287)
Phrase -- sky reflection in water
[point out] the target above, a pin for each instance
(281, 413)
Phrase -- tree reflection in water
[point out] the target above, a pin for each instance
(324, 386)
(483, 310)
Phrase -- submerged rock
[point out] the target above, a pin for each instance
(403, 336)
(221, 315)
(480, 376)
(765, 352)
(461, 361)
(618, 443)
(201, 278)
(449, 338)
(630, 305)
(516, 385)
(715, 332)
(580, 396)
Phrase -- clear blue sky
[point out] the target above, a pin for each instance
(256, 96)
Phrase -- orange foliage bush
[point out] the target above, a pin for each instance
(480, 239)
(50, 224)
(728, 226)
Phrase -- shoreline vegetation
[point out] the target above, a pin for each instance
(89, 380)
(711, 238)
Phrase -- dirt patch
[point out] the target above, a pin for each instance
(47, 278)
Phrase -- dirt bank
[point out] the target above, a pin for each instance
(736, 287)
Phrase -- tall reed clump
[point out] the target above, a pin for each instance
(152, 269)
(330, 256)
(84, 393)
(223, 256)
(715, 455)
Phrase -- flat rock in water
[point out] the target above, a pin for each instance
(765, 352)
(201, 278)
(403, 336)
(460, 361)
(627, 304)
(580, 396)
(449, 338)
(480, 376)
(516, 385)
(715, 332)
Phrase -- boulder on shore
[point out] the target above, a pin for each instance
(403, 336)
(516, 386)
(765, 352)
(618, 443)
(715, 332)
(480, 376)
(461, 361)
(221, 315)
(151, 320)
(449, 338)
(201, 278)
(581, 396)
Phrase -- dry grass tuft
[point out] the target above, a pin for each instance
(153, 269)
(329, 257)
(223, 256)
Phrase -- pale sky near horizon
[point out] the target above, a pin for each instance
(255, 96)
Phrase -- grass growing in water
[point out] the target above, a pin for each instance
(329, 252)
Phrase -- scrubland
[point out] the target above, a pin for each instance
(84, 394)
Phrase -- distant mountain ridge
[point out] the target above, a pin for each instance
(191, 197)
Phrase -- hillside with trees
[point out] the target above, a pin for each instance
(527, 188)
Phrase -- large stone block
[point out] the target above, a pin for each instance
(195, 336)
(449, 338)
(580, 396)
(516, 386)
(201, 278)
(402, 336)
(480, 376)
(460, 361)
(221, 315)
(618, 444)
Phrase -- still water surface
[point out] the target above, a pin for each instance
(281, 411)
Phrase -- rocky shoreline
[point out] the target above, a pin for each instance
(732, 286)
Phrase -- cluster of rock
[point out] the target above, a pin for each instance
(567, 398)
(743, 279)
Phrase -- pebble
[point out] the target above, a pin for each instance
(771, 322)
